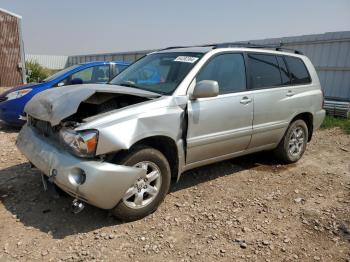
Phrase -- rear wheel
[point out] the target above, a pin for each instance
(147, 192)
(293, 144)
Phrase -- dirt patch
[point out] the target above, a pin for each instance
(245, 209)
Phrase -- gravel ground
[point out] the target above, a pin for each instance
(245, 209)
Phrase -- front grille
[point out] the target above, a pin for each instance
(3, 98)
(43, 127)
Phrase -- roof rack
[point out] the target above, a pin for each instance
(240, 44)
(252, 45)
(175, 47)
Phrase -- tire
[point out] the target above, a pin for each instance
(291, 148)
(127, 209)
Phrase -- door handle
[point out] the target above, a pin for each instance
(246, 100)
(290, 93)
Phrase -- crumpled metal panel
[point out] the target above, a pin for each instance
(105, 183)
(121, 128)
(56, 104)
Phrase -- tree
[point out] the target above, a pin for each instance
(36, 72)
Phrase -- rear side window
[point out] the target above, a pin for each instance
(228, 70)
(264, 71)
(297, 70)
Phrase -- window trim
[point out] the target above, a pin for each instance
(224, 53)
(284, 61)
(112, 71)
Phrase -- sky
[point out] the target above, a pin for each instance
(73, 27)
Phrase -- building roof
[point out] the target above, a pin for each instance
(10, 13)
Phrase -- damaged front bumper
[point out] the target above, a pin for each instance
(98, 183)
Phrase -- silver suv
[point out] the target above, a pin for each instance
(118, 146)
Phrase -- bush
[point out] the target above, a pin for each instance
(36, 72)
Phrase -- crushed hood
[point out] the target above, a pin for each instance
(56, 104)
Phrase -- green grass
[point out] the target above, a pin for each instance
(331, 121)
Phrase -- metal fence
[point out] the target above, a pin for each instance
(330, 54)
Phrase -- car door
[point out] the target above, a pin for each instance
(220, 126)
(274, 98)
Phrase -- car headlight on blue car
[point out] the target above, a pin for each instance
(18, 93)
(81, 143)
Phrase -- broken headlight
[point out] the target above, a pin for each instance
(81, 143)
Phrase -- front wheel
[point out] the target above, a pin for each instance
(147, 192)
(293, 144)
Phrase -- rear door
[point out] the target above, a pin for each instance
(276, 98)
(221, 125)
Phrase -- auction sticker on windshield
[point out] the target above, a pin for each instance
(186, 59)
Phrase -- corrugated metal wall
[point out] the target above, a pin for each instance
(329, 52)
(11, 64)
(48, 61)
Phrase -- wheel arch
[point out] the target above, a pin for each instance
(307, 117)
(166, 145)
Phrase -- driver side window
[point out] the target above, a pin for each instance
(81, 77)
(85, 75)
(95, 74)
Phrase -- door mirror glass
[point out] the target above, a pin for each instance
(205, 88)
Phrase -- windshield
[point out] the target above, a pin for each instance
(160, 72)
(60, 73)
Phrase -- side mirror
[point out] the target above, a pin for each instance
(60, 84)
(76, 81)
(205, 88)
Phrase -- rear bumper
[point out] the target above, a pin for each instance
(318, 118)
(105, 183)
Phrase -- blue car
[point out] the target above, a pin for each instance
(12, 102)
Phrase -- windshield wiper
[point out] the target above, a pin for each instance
(128, 84)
